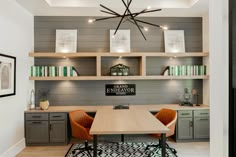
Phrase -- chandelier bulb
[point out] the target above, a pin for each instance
(149, 7)
(164, 27)
(91, 20)
(145, 28)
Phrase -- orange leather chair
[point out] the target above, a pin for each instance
(80, 123)
(168, 117)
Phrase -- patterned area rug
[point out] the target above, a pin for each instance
(125, 149)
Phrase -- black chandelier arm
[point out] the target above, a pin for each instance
(149, 11)
(106, 18)
(134, 23)
(109, 9)
(148, 23)
(145, 11)
(127, 9)
(134, 19)
(108, 12)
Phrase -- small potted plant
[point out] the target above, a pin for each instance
(44, 103)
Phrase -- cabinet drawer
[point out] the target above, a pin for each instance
(201, 113)
(57, 116)
(187, 113)
(36, 116)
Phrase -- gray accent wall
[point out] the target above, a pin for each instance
(95, 38)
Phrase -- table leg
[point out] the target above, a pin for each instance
(163, 143)
(122, 138)
(95, 144)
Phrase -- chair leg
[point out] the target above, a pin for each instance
(158, 146)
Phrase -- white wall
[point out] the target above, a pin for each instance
(16, 39)
(219, 60)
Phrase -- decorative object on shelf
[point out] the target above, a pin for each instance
(66, 41)
(7, 75)
(174, 41)
(121, 42)
(166, 71)
(186, 97)
(120, 89)
(44, 103)
(195, 96)
(75, 72)
(119, 70)
(32, 100)
(128, 16)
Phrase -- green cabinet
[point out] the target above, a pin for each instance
(192, 125)
(201, 124)
(46, 128)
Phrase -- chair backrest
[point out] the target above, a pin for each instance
(80, 123)
(168, 117)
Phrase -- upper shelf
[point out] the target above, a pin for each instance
(108, 54)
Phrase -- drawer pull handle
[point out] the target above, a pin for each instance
(36, 116)
(37, 122)
(56, 116)
(203, 113)
(185, 114)
(203, 119)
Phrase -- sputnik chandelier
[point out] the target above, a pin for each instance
(128, 16)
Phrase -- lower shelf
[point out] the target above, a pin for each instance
(119, 78)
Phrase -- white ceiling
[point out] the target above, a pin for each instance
(182, 8)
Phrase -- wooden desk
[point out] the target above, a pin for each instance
(131, 121)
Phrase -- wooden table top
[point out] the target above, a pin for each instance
(152, 108)
(128, 121)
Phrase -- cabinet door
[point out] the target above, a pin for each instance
(57, 131)
(201, 127)
(37, 132)
(185, 128)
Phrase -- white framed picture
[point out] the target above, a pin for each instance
(174, 41)
(7, 75)
(120, 43)
(66, 40)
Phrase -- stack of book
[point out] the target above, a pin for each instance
(52, 71)
(187, 70)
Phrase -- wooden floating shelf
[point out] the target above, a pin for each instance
(101, 78)
(108, 54)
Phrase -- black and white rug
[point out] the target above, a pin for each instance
(126, 149)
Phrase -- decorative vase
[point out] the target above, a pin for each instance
(44, 105)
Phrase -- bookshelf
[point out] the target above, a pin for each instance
(142, 57)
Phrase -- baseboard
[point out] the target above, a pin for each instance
(15, 149)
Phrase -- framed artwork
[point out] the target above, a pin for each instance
(174, 41)
(66, 40)
(7, 75)
(120, 43)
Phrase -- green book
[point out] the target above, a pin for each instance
(170, 71)
(205, 70)
(31, 71)
(64, 71)
(71, 71)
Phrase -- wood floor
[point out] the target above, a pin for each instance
(187, 149)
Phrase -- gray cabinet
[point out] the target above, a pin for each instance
(192, 125)
(37, 132)
(185, 130)
(201, 124)
(46, 128)
(185, 125)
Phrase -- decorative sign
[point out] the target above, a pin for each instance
(120, 89)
